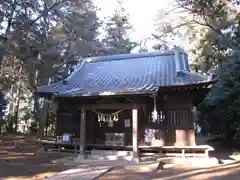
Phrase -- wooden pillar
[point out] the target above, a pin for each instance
(82, 133)
(57, 118)
(135, 134)
(43, 111)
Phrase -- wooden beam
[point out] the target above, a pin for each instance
(112, 106)
(43, 117)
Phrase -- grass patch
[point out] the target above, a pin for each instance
(236, 153)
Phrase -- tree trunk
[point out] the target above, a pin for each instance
(16, 113)
(10, 113)
(36, 110)
(229, 133)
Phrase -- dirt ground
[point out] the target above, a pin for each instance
(223, 172)
(229, 171)
(19, 160)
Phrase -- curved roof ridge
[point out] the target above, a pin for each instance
(76, 69)
(128, 56)
(192, 73)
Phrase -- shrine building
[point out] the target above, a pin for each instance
(129, 101)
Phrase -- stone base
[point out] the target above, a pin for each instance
(111, 153)
(82, 156)
(135, 160)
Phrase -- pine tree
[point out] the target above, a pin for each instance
(167, 30)
(222, 105)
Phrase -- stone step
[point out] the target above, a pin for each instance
(193, 162)
(81, 172)
(110, 157)
(110, 153)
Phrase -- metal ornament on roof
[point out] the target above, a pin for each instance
(110, 118)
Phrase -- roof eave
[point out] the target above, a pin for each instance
(202, 84)
(107, 94)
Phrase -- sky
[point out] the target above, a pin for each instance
(141, 14)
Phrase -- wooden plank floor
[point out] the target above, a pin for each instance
(143, 149)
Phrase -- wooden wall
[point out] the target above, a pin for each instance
(68, 121)
(178, 108)
(174, 109)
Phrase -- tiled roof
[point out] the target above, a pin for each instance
(129, 73)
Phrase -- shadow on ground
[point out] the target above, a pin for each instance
(18, 159)
(222, 172)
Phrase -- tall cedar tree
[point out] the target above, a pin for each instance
(117, 29)
(43, 39)
(221, 46)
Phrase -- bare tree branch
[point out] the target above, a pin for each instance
(231, 42)
(9, 24)
(47, 11)
(184, 7)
